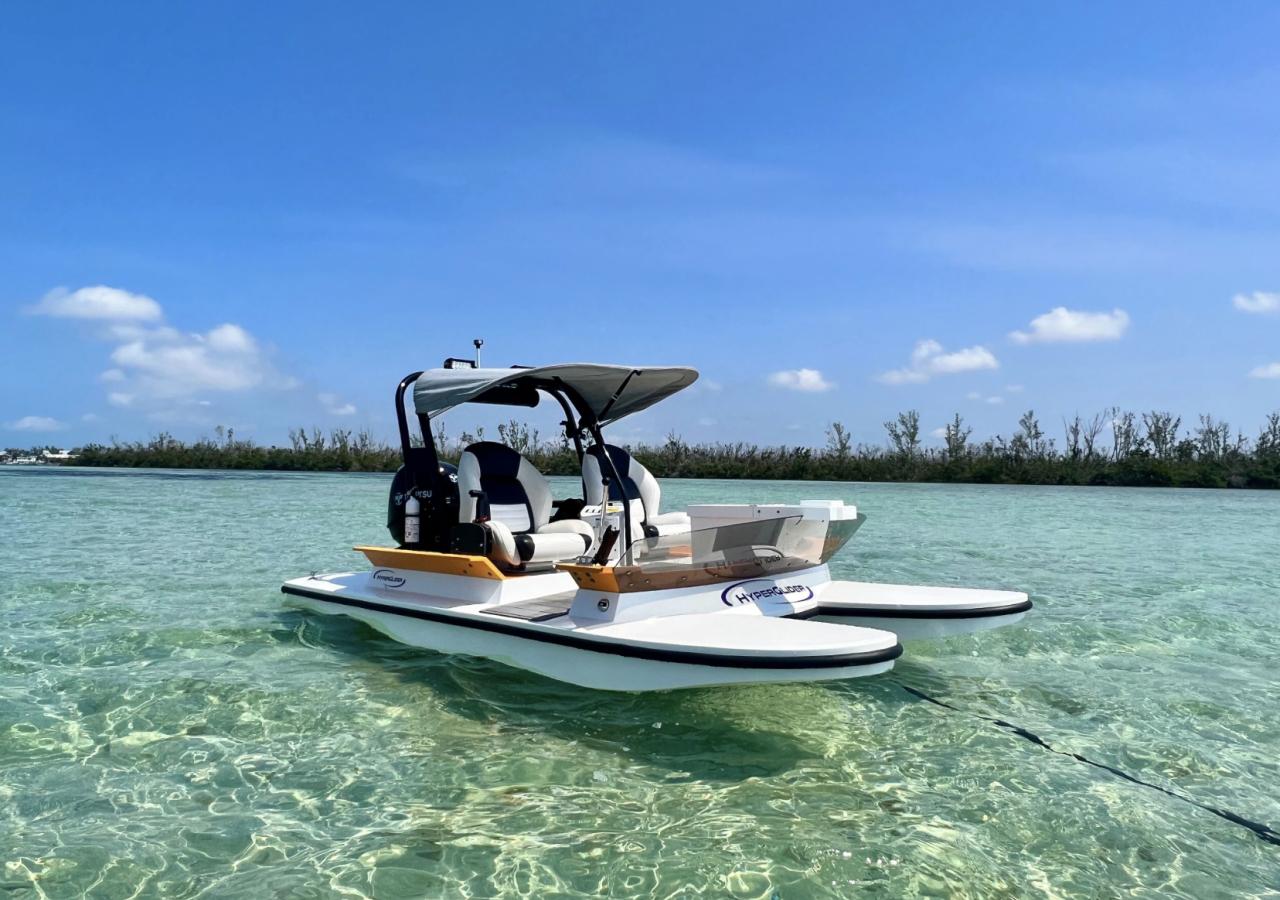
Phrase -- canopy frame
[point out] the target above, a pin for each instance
(520, 387)
(606, 392)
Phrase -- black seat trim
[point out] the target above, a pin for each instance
(622, 462)
(499, 477)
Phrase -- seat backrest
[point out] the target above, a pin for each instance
(640, 484)
(519, 496)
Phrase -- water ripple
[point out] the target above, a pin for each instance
(168, 729)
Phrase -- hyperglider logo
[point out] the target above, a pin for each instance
(762, 589)
(388, 578)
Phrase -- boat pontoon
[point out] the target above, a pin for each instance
(606, 590)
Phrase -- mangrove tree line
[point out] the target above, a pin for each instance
(1113, 447)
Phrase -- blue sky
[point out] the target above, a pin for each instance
(263, 215)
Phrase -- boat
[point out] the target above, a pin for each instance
(606, 590)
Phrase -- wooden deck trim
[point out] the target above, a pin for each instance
(632, 579)
(429, 561)
(594, 578)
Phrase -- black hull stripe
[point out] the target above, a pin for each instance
(886, 613)
(689, 657)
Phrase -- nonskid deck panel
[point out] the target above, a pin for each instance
(539, 609)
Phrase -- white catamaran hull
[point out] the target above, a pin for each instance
(800, 626)
(602, 671)
(916, 612)
(721, 646)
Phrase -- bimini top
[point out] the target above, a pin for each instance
(610, 392)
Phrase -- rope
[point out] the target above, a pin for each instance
(1261, 831)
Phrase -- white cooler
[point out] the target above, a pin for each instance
(816, 515)
(612, 516)
(715, 515)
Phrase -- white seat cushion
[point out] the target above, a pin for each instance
(519, 508)
(555, 547)
(668, 528)
(640, 486)
(568, 526)
(519, 496)
(568, 539)
(502, 544)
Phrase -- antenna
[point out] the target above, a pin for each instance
(478, 343)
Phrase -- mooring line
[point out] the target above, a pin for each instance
(1263, 832)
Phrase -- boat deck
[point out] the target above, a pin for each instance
(918, 600)
(539, 609)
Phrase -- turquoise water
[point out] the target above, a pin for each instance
(168, 728)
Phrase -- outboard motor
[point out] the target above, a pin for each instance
(438, 507)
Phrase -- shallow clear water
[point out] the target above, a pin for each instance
(168, 728)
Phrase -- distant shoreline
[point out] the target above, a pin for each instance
(690, 477)
(1144, 451)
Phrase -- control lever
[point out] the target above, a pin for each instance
(606, 546)
(482, 505)
(604, 509)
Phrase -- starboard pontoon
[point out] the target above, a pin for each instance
(606, 591)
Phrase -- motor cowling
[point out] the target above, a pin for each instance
(438, 507)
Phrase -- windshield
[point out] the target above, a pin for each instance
(753, 549)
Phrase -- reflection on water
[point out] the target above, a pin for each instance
(167, 728)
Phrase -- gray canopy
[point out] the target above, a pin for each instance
(440, 389)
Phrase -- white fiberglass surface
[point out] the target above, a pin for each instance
(911, 596)
(779, 544)
(762, 635)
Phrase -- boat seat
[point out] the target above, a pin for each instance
(642, 490)
(519, 498)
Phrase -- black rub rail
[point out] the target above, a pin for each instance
(981, 612)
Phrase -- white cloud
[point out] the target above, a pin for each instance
(928, 359)
(90, 417)
(1270, 370)
(98, 302)
(995, 400)
(156, 364)
(1014, 389)
(1061, 324)
(231, 339)
(707, 422)
(939, 432)
(334, 406)
(809, 380)
(973, 395)
(173, 365)
(122, 332)
(1258, 302)
(36, 423)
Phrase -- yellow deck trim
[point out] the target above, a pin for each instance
(428, 561)
(596, 578)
